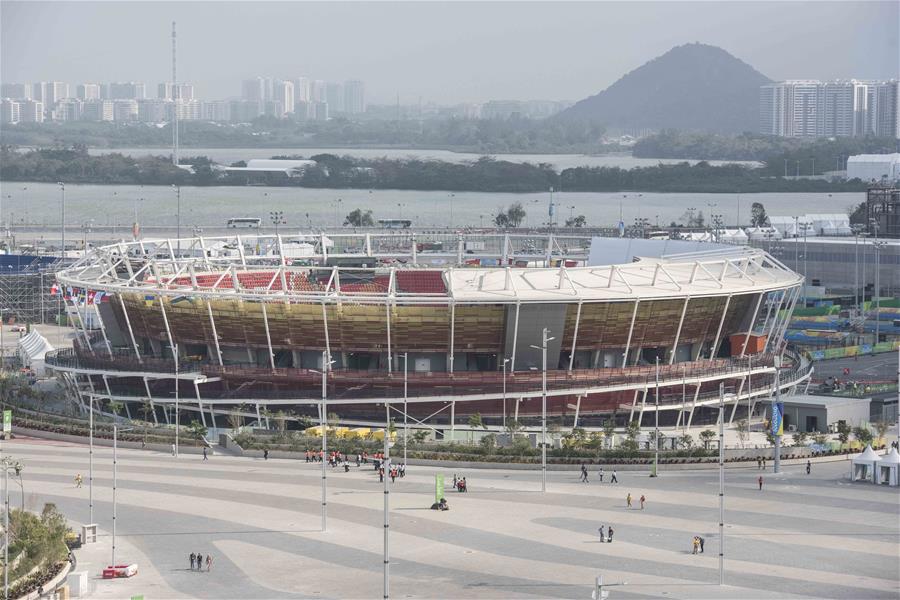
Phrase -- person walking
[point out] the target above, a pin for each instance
(584, 473)
(695, 544)
(193, 560)
(764, 463)
(266, 454)
(609, 537)
(642, 501)
(758, 463)
(808, 466)
(204, 454)
(760, 482)
(601, 474)
(700, 539)
(208, 563)
(381, 475)
(78, 480)
(614, 479)
(628, 499)
(199, 562)
(173, 449)
(601, 534)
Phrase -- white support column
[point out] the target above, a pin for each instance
(678, 333)
(630, 331)
(737, 400)
(575, 339)
(752, 323)
(134, 343)
(162, 308)
(515, 343)
(368, 244)
(776, 321)
(102, 328)
(643, 406)
(415, 250)
(577, 410)
(215, 333)
(691, 416)
(106, 385)
(452, 422)
(765, 325)
(715, 347)
(84, 334)
(327, 339)
(268, 335)
(153, 406)
(200, 402)
(459, 250)
(452, 358)
(506, 250)
(633, 406)
(387, 310)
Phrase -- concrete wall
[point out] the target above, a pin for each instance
(77, 439)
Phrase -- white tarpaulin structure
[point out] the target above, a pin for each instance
(763, 233)
(889, 469)
(31, 350)
(831, 224)
(733, 236)
(865, 466)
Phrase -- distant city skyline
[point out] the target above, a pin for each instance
(439, 52)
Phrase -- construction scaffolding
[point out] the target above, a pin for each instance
(25, 282)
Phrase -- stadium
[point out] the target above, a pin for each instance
(446, 325)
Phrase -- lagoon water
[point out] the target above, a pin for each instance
(39, 203)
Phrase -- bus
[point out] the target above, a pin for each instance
(250, 222)
(394, 223)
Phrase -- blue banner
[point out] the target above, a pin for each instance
(778, 418)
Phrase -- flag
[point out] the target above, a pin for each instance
(148, 299)
(54, 289)
(778, 418)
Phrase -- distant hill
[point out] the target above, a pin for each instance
(692, 87)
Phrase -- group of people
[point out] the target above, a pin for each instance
(197, 562)
(697, 544)
(584, 475)
(460, 483)
(628, 500)
(608, 536)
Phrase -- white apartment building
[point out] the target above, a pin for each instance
(282, 98)
(811, 108)
(10, 111)
(97, 110)
(125, 110)
(87, 91)
(15, 91)
(218, 110)
(334, 95)
(166, 91)
(130, 90)
(68, 109)
(354, 97)
(153, 110)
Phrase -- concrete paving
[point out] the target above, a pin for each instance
(802, 536)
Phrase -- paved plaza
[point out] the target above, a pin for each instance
(802, 536)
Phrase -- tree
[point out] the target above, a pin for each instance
(235, 419)
(743, 430)
(358, 218)
(197, 430)
(707, 436)
(881, 427)
(843, 431)
(512, 426)
(862, 434)
(516, 214)
(758, 216)
(579, 221)
(687, 441)
(146, 409)
(489, 442)
(632, 430)
(281, 422)
(609, 431)
(799, 438)
(475, 421)
(501, 219)
(115, 406)
(420, 436)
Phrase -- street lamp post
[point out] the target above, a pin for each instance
(16, 466)
(878, 245)
(505, 361)
(91, 458)
(405, 414)
(323, 423)
(656, 434)
(177, 414)
(178, 217)
(277, 217)
(543, 349)
(115, 485)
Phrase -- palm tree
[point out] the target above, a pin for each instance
(475, 421)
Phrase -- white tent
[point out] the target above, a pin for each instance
(889, 469)
(789, 228)
(31, 350)
(733, 236)
(764, 233)
(831, 224)
(864, 466)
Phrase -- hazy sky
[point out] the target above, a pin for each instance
(442, 51)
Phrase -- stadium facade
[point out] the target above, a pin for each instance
(244, 325)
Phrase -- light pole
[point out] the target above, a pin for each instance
(878, 245)
(722, 483)
(385, 464)
(91, 458)
(178, 217)
(505, 361)
(16, 466)
(405, 415)
(115, 484)
(323, 423)
(543, 349)
(655, 472)
(277, 217)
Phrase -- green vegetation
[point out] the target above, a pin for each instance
(829, 154)
(359, 218)
(510, 217)
(37, 548)
(486, 174)
(515, 135)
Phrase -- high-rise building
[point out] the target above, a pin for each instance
(318, 111)
(318, 91)
(189, 110)
(810, 108)
(334, 95)
(283, 98)
(243, 111)
(97, 110)
(87, 91)
(125, 110)
(166, 91)
(32, 111)
(16, 91)
(49, 92)
(130, 90)
(218, 110)
(253, 90)
(354, 97)
(68, 109)
(301, 89)
(10, 111)
(153, 110)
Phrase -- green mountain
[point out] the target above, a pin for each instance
(692, 87)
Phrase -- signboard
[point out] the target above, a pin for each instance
(778, 418)
(438, 487)
(7, 421)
